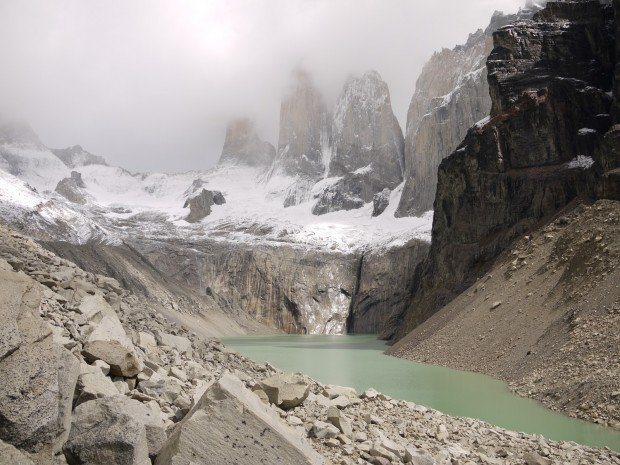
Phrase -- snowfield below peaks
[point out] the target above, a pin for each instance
(122, 204)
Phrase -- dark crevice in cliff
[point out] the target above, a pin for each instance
(358, 279)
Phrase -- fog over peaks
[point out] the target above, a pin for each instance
(151, 84)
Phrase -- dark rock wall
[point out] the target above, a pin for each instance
(550, 79)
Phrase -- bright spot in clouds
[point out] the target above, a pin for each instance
(151, 84)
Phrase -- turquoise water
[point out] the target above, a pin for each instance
(359, 362)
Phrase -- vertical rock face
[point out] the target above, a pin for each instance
(451, 95)
(304, 130)
(242, 145)
(296, 290)
(367, 146)
(365, 132)
(549, 80)
(383, 286)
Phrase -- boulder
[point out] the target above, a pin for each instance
(418, 457)
(108, 342)
(179, 343)
(38, 376)
(286, 390)
(93, 384)
(150, 416)
(322, 430)
(106, 431)
(93, 308)
(331, 391)
(230, 424)
(532, 458)
(146, 340)
(167, 388)
(340, 421)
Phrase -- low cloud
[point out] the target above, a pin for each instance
(150, 84)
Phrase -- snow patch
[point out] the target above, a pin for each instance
(580, 161)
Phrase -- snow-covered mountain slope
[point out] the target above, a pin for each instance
(120, 203)
(47, 217)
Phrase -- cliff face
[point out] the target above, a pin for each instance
(284, 287)
(366, 147)
(365, 132)
(542, 147)
(452, 94)
(242, 145)
(304, 130)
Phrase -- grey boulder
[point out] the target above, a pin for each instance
(9, 455)
(106, 431)
(286, 390)
(230, 424)
(108, 342)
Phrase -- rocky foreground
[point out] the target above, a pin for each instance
(91, 376)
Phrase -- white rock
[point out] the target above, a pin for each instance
(108, 342)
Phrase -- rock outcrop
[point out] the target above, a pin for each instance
(451, 95)
(366, 146)
(550, 79)
(242, 145)
(76, 156)
(200, 205)
(297, 290)
(72, 188)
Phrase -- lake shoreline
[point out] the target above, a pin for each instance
(497, 391)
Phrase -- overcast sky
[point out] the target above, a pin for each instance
(150, 84)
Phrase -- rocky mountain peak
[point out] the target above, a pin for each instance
(365, 132)
(367, 146)
(242, 145)
(548, 141)
(304, 129)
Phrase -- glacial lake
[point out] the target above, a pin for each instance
(358, 361)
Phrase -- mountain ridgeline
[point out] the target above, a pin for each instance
(355, 151)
